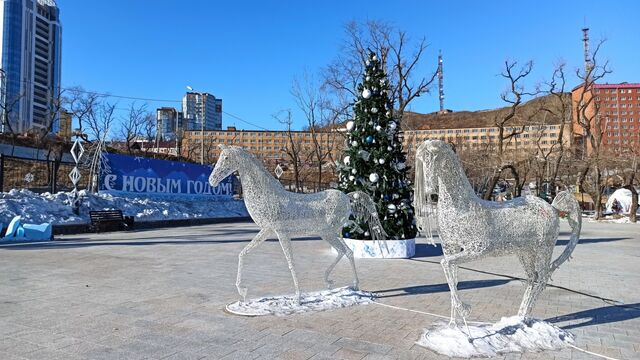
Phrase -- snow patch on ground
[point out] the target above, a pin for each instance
(510, 334)
(56, 209)
(612, 220)
(310, 302)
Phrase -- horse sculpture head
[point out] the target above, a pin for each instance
(426, 182)
(227, 164)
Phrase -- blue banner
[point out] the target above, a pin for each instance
(129, 174)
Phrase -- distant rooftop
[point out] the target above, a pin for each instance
(623, 85)
(47, 3)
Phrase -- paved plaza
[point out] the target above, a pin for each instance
(160, 294)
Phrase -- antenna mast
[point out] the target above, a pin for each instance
(587, 59)
(440, 82)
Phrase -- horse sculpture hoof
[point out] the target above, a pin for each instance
(329, 284)
(243, 293)
(463, 309)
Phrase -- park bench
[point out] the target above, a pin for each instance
(110, 220)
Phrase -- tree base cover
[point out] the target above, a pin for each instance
(309, 302)
(382, 249)
(509, 335)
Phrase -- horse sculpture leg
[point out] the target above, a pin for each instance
(285, 243)
(257, 240)
(537, 269)
(333, 241)
(449, 264)
(349, 254)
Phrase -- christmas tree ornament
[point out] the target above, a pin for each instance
(351, 177)
(368, 78)
(392, 125)
(374, 110)
(381, 161)
(284, 214)
(472, 229)
(378, 128)
(347, 160)
(366, 93)
(374, 177)
(369, 139)
(354, 143)
(350, 125)
(391, 208)
(389, 148)
(388, 112)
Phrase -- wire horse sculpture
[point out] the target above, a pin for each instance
(282, 213)
(471, 228)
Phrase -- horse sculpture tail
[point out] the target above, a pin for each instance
(364, 208)
(566, 202)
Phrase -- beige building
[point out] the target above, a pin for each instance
(533, 131)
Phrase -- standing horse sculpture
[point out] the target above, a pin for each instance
(283, 213)
(471, 228)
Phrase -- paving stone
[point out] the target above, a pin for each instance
(160, 294)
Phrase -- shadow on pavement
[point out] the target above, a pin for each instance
(436, 288)
(601, 315)
(590, 241)
(87, 242)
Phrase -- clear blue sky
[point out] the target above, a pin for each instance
(248, 52)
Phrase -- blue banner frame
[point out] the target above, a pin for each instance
(140, 175)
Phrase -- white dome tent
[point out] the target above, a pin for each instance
(623, 197)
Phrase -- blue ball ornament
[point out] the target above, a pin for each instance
(369, 139)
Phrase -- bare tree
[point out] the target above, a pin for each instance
(8, 109)
(149, 131)
(292, 148)
(320, 120)
(132, 125)
(559, 107)
(592, 124)
(82, 104)
(400, 56)
(508, 124)
(99, 119)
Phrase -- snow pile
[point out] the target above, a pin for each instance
(56, 209)
(510, 334)
(312, 301)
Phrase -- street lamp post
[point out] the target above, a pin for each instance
(3, 99)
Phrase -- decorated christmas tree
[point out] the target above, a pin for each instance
(373, 161)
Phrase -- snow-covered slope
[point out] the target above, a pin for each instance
(55, 209)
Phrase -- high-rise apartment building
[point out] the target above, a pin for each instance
(200, 107)
(615, 108)
(30, 56)
(169, 121)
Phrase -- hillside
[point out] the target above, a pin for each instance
(528, 113)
